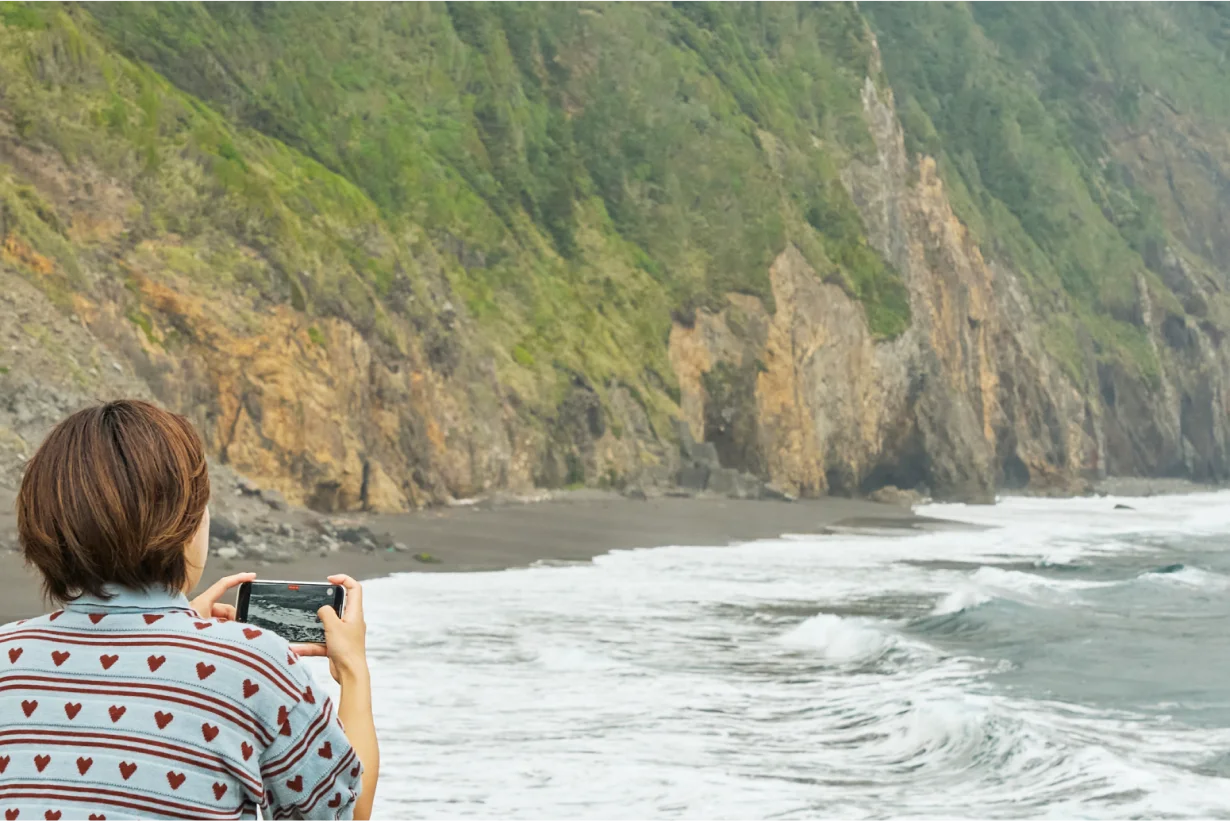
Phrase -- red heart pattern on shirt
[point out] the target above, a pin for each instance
(283, 715)
(4, 763)
(71, 710)
(201, 625)
(325, 751)
(209, 731)
(251, 632)
(295, 783)
(60, 656)
(308, 696)
(203, 670)
(14, 654)
(219, 791)
(127, 769)
(155, 662)
(285, 729)
(94, 817)
(41, 762)
(97, 617)
(52, 815)
(354, 772)
(55, 615)
(290, 658)
(116, 712)
(249, 688)
(84, 764)
(11, 815)
(150, 618)
(336, 801)
(175, 779)
(107, 661)
(245, 747)
(163, 719)
(28, 707)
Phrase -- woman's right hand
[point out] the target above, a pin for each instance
(346, 647)
(345, 637)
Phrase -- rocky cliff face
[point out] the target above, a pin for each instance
(306, 407)
(1183, 164)
(968, 399)
(822, 299)
(965, 401)
(334, 418)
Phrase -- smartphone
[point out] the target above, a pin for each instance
(289, 608)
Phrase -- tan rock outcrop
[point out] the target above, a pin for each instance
(959, 402)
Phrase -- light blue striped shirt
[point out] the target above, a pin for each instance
(137, 707)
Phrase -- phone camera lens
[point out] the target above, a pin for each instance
(329, 591)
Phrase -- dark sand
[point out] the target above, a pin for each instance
(477, 538)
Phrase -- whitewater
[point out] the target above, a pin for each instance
(1064, 659)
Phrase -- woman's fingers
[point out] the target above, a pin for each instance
(353, 609)
(205, 603)
(328, 616)
(224, 611)
(308, 649)
(345, 638)
(216, 590)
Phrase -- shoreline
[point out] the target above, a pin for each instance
(492, 537)
(507, 532)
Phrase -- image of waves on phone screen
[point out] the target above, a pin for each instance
(289, 609)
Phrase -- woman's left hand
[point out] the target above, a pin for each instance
(207, 606)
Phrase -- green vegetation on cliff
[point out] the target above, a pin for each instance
(573, 173)
(1027, 107)
(520, 198)
(545, 138)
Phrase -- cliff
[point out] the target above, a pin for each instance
(388, 255)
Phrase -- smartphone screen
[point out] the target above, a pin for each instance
(289, 608)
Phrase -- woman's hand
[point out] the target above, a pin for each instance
(206, 605)
(345, 637)
(346, 647)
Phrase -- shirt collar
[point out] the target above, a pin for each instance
(133, 599)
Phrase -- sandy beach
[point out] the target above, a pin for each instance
(487, 538)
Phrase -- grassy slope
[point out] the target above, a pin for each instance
(573, 174)
(576, 173)
(1017, 101)
(561, 145)
(322, 243)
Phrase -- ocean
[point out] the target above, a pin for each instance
(1067, 659)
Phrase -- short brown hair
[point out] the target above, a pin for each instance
(113, 495)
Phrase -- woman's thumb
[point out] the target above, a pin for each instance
(328, 616)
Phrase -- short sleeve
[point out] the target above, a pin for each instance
(310, 770)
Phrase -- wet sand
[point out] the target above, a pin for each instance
(479, 538)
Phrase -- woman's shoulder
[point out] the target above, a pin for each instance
(31, 623)
(254, 644)
(174, 644)
(285, 685)
(247, 636)
(259, 666)
(255, 659)
(186, 624)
